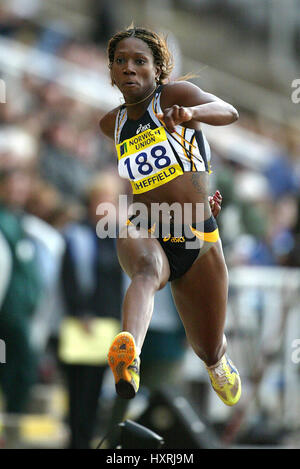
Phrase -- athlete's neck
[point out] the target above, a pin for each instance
(141, 100)
(136, 110)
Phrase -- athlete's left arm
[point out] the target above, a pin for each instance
(184, 102)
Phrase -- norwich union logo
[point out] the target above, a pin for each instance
(123, 149)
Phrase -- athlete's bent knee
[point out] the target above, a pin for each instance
(149, 265)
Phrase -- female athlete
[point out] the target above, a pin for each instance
(163, 152)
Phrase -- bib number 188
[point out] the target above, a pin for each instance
(158, 153)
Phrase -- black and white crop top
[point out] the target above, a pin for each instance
(150, 156)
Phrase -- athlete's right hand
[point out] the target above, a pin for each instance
(175, 115)
(215, 203)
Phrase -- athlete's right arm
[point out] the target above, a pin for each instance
(107, 123)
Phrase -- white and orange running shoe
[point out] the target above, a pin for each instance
(125, 365)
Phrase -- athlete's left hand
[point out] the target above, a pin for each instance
(215, 203)
(175, 115)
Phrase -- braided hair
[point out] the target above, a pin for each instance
(157, 44)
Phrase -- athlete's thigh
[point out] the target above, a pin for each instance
(200, 296)
(139, 254)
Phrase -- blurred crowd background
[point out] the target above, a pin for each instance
(55, 168)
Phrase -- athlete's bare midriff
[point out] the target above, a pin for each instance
(189, 188)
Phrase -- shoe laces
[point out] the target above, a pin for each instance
(221, 373)
(135, 365)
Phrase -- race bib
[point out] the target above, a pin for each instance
(147, 160)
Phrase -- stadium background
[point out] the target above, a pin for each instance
(56, 86)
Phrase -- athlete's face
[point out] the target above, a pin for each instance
(133, 69)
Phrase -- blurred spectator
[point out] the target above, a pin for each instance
(59, 166)
(53, 36)
(279, 171)
(281, 177)
(294, 254)
(92, 292)
(46, 203)
(281, 229)
(21, 293)
(49, 215)
(105, 24)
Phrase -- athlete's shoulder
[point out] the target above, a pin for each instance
(184, 93)
(107, 122)
(179, 85)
